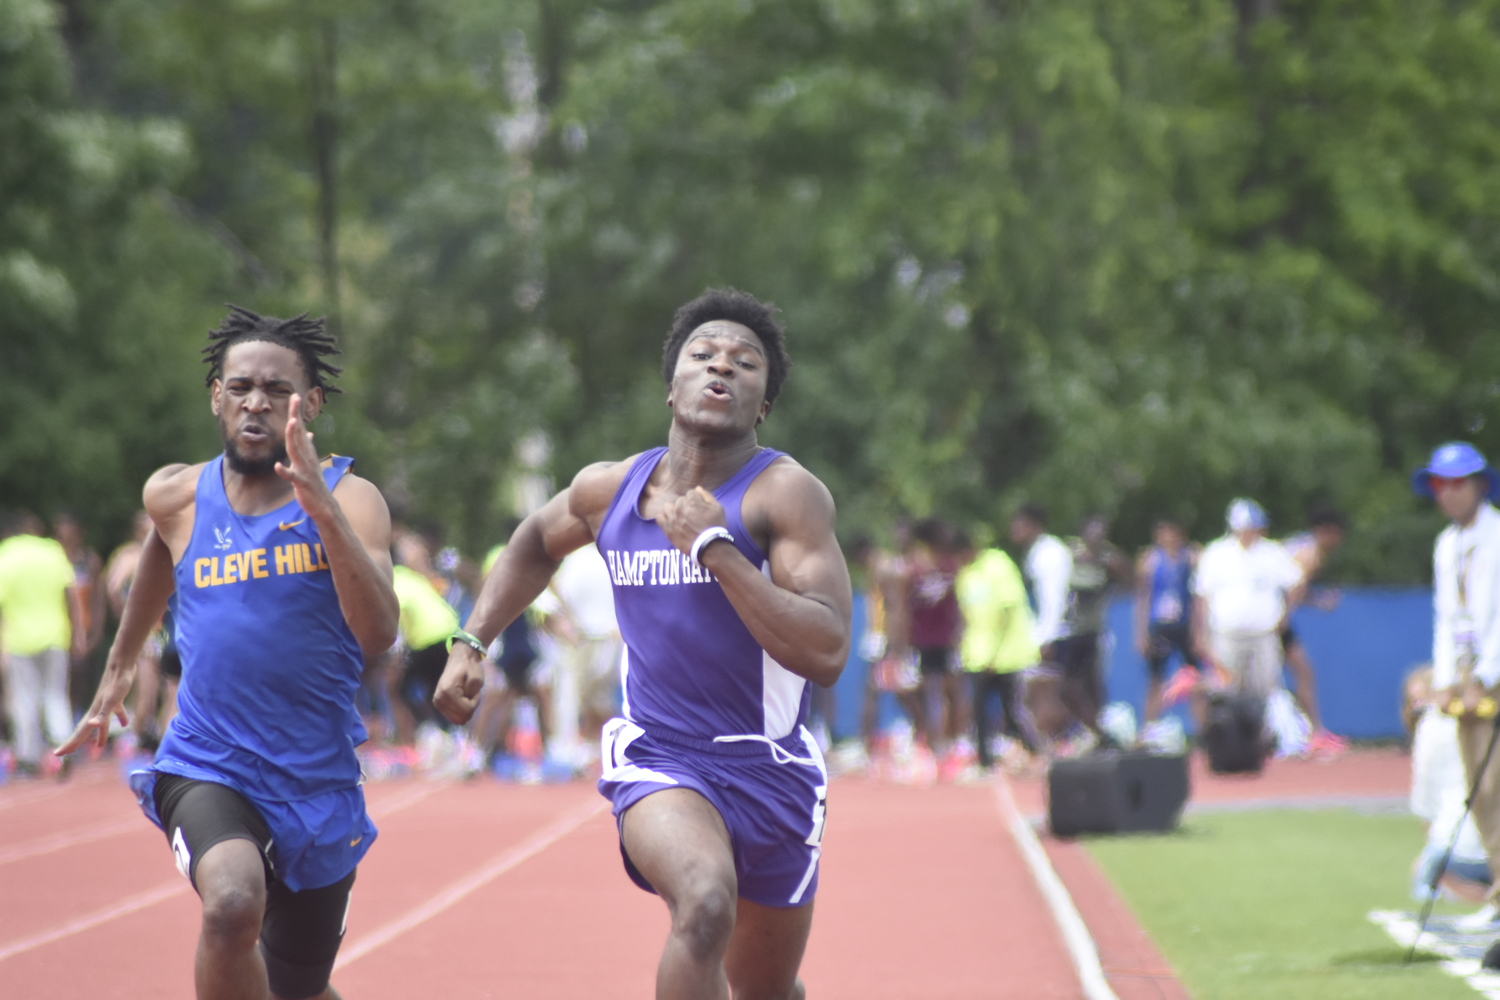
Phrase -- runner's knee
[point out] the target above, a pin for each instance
(232, 884)
(704, 918)
(232, 913)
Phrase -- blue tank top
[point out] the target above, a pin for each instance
(690, 664)
(269, 665)
(1170, 595)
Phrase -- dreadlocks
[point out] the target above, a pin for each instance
(307, 338)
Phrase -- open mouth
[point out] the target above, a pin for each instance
(717, 390)
(255, 433)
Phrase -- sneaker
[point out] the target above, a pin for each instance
(1182, 684)
(1481, 921)
(1491, 960)
(1322, 743)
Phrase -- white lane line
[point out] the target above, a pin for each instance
(56, 842)
(167, 890)
(125, 907)
(1402, 928)
(477, 879)
(1074, 931)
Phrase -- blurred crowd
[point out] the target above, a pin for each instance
(970, 656)
(989, 655)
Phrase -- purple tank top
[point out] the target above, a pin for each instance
(690, 664)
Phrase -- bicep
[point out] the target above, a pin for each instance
(805, 556)
(369, 518)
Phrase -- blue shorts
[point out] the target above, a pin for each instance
(772, 801)
(315, 842)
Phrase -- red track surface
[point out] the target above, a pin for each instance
(487, 890)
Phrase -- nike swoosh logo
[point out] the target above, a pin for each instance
(283, 525)
(355, 841)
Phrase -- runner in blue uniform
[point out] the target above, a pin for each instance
(281, 566)
(731, 594)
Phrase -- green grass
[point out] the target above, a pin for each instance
(1272, 904)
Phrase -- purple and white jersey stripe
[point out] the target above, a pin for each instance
(690, 664)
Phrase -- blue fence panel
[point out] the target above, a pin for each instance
(1360, 651)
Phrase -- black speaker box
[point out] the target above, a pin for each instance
(1235, 736)
(1116, 792)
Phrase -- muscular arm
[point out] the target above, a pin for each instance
(522, 571)
(356, 533)
(355, 526)
(800, 615)
(149, 591)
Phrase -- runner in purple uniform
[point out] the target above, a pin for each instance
(731, 594)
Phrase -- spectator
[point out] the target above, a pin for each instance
(1437, 798)
(426, 622)
(119, 574)
(935, 623)
(516, 669)
(1466, 626)
(39, 627)
(1096, 565)
(1245, 586)
(580, 601)
(999, 642)
(887, 626)
(1311, 549)
(1046, 568)
(88, 573)
(1163, 610)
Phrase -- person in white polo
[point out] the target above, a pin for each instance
(1243, 590)
(1466, 633)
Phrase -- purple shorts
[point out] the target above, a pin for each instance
(772, 798)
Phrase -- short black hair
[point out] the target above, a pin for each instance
(1328, 517)
(1033, 512)
(737, 307)
(933, 532)
(307, 338)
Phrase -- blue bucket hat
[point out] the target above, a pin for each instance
(1454, 460)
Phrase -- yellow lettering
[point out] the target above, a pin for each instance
(231, 568)
(322, 563)
(214, 579)
(307, 560)
(200, 566)
(245, 565)
(258, 564)
(286, 560)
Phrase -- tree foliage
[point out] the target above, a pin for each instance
(1136, 259)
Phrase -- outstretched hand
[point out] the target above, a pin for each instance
(685, 518)
(108, 701)
(302, 468)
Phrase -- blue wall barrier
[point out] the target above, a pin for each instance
(1360, 651)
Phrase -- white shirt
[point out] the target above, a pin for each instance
(1473, 554)
(582, 584)
(1245, 588)
(1049, 567)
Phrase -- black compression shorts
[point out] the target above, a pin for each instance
(302, 931)
(934, 661)
(1288, 638)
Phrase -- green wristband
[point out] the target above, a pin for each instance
(459, 635)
